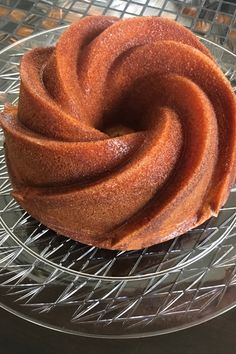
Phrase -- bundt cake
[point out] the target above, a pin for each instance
(124, 135)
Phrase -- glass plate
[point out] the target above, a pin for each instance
(64, 285)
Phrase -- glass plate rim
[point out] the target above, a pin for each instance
(120, 336)
(66, 26)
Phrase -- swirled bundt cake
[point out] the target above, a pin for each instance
(124, 135)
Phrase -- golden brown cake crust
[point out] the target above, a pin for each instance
(124, 135)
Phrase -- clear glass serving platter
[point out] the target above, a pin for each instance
(61, 284)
